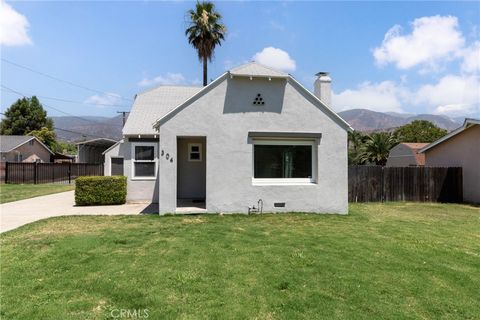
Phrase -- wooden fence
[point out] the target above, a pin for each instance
(365, 183)
(36, 173)
(422, 184)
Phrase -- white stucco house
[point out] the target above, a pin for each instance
(252, 137)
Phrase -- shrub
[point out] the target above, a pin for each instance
(100, 190)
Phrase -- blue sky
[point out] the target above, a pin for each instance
(414, 57)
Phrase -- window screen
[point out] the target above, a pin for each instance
(145, 169)
(144, 163)
(144, 153)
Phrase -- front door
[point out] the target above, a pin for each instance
(191, 168)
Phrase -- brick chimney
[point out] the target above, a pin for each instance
(323, 88)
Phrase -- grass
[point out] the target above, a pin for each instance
(394, 260)
(14, 192)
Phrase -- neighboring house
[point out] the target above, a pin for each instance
(113, 165)
(62, 158)
(406, 154)
(459, 148)
(91, 151)
(23, 149)
(253, 133)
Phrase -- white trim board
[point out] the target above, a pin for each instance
(287, 181)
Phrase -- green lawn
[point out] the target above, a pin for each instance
(392, 261)
(14, 192)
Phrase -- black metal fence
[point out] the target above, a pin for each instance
(422, 184)
(37, 173)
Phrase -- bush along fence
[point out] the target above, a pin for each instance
(422, 184)
(37, 173)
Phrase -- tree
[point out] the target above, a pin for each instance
(205, 32)
(24, 116)
(66, 148)
(377, 147)
(47, 136)
(356, 140)
(420, 131)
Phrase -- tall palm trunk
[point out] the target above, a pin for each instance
(205, 31)
(205, 61)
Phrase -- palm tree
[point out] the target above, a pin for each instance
(377, 147)
(355, 143)
(205, 32)
(355, 140)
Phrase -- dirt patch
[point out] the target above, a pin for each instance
(193, 220)
(60, 227)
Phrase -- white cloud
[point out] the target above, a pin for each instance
(196, 82)
(275, 58)
(104, 100)
(168, 79)
(471, 58)
(432, 40)
(451, 95)
(381, 97)
(276, 26)
(228, 64)
(456, 110)
(232, 35)
(13, 27)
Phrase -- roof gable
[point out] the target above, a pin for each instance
(189, 101)
(254, 69)
(466, 124)
(9, 143)
(113, 146)
(320, 104)
(307, 94)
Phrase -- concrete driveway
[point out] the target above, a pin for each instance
(17, 213)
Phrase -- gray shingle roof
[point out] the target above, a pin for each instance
(8, 143)
(254, 69)
(153, 104)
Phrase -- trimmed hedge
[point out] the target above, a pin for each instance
(100, 190)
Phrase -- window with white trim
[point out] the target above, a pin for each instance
(194, 152)
(284, 161)
(144, 160)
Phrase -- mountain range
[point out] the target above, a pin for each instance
(368, 121)
(73, 129)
